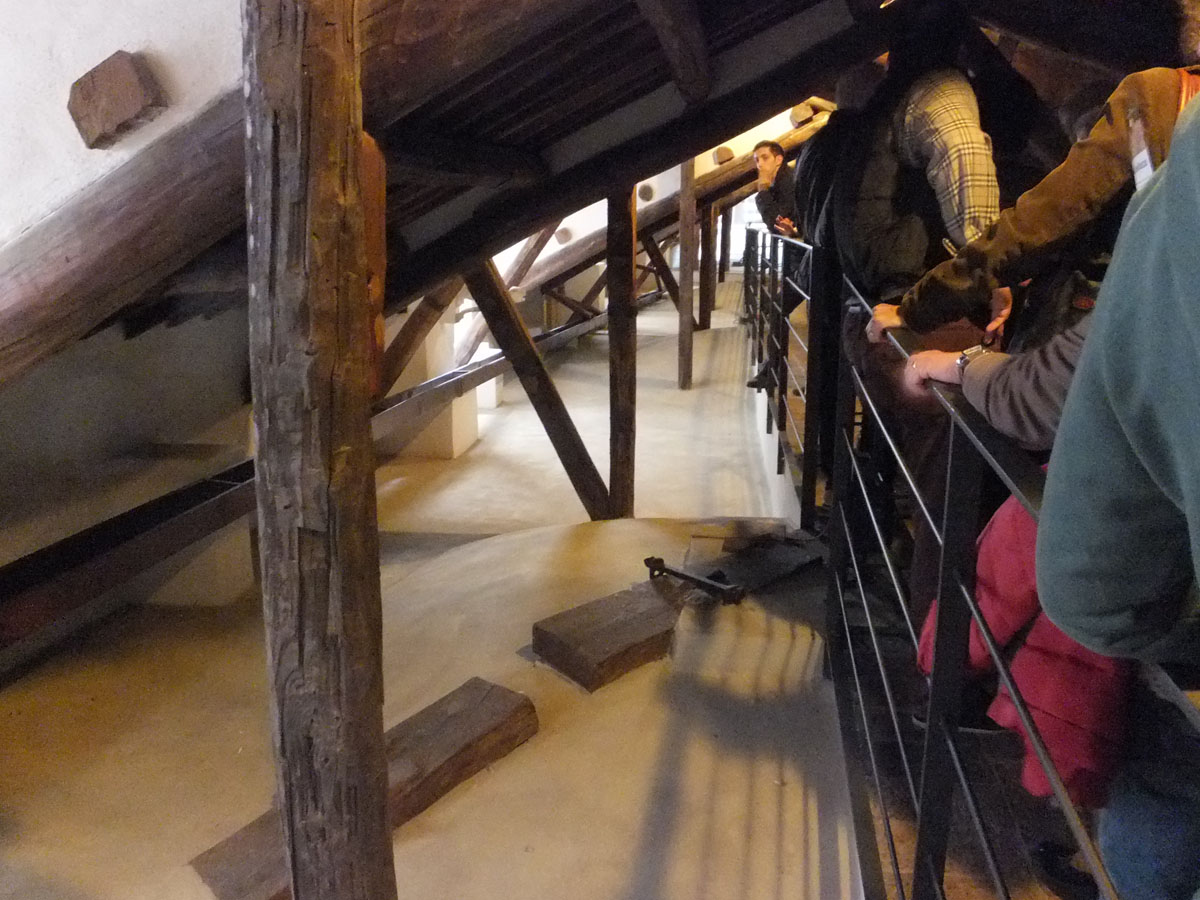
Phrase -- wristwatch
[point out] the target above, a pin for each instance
(965, 358)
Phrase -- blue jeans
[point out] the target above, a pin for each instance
(1149, 833)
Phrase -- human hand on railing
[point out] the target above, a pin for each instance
(930, 365)
(883, 317)
(785, 226)
(1001, 310)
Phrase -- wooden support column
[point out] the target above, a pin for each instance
(687, 266)
(311, 359)
(622, 348)
(496, 304)
(708, 265)
(520, 267)
(726, 242)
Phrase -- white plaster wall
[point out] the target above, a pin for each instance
(193, 46)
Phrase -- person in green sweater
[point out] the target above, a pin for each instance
(1119, 534)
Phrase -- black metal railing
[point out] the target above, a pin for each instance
(933, 775)
(780, 274)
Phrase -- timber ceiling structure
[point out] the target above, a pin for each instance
(496, 118)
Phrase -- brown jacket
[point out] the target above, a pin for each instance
(1094, 182)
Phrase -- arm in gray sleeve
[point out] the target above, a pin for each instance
(1022, 396)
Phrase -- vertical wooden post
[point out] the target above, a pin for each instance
(622, 348)
(687, 267)
(708, 265)
(311, 369)
(726, 243)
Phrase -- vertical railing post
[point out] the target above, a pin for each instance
(813, 387)
(839, 560)
(786, 256)
(772, 300)
(960, 526)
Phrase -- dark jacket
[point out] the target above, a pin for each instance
(886, 218)
(779, 199)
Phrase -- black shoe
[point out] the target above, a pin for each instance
(1052, 862)
(761, 381)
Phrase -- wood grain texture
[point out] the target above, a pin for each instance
(311, 369)
(598, 642)
(115, 96)
(622, 349)
(708, 265)
(513, 338)
(428, 754)
(681, 35)
(687, 267)
(185, 192)
(477, 329)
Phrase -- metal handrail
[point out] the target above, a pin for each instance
(941, 764)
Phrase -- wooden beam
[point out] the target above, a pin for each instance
(662, 268)
(415, 329)
(681, 35)
(600, 641)
(708, 265)
(429, 754)
(438, 246)
(477, 329)
(502, 317)
(422, 156)
(528, 254)
(310, 367)
(183, 193)
(735, 179)
(593, 293)
(622, 348)
(726, 242)
(569, 302)
(687, 266)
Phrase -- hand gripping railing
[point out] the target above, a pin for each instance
(974, 445)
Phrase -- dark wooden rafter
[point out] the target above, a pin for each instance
(681, 35)
(182, 194)
(593, 293)
(425, 157)
(622, 348)
(526, 257)
(687, 266)
(726, 243)
(310, 372)
(494, 221)
(498, 308)
(577, 307)
(662, 268)
(708, 265)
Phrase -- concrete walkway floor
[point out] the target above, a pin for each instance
(715, 773)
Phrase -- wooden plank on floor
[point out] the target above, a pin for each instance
(428, 754)
(600, 641)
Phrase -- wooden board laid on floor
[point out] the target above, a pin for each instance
(428, 754)
(600, 641)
